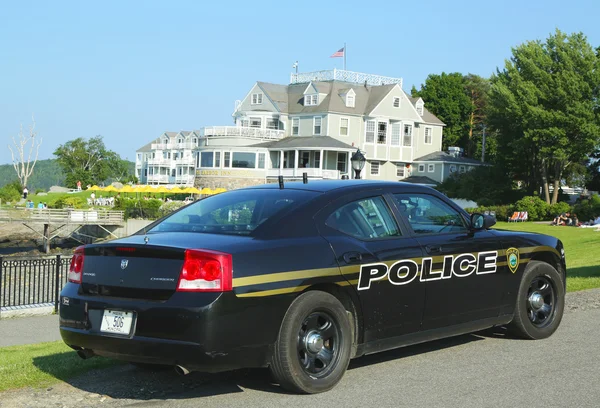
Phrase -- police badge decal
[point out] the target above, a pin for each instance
(512, 259)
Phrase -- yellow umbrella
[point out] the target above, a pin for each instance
(176, 190)
(206, 191)
(219, 190)
(110, 188)
(94, 187)
(192, 190)
(162, 189)
(127, 189)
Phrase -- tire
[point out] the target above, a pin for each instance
(532, 319)
(313, 348)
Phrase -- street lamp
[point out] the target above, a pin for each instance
(358, 162)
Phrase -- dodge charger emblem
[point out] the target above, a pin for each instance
(124, 263)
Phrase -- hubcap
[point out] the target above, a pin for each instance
(541, 302)
(318, 344)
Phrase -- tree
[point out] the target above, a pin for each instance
(446, 97)
(88, 161)
(477, 89)
(23, 165)
(544, 103)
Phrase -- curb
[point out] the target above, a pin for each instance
(43, 309)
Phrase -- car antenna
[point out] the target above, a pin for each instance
(305, 178)
(281, 182)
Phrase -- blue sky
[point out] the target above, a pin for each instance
(130, 70)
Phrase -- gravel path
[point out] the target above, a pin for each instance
(483, 369)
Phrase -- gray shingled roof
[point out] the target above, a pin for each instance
(445, 157)
(292, 142)
(427, 116)
(420, 180)
(146, 147)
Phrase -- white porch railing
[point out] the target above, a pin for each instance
(159, 161)
(161, 146)
(158, 178)
(184, 179)
(238, 131)
(310, 172)
(189, 160)
(345, 76)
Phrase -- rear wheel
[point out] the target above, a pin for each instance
(540, 302)
(312, 351)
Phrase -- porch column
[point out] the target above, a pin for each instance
(281, 161)
(348, 167)
(321, 161)
(295, 162)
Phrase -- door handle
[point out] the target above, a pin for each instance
(352, 257)
(434, 249)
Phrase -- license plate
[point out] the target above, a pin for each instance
(116, 321)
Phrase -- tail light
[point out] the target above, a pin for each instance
(205, 271)
(76, 266)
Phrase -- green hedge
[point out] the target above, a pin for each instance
(147, 209)
(587, 209)
(502, 211)
(537, 209)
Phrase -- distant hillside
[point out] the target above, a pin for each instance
(47, 173)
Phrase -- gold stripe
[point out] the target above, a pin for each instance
(285, 276)
(273, 291)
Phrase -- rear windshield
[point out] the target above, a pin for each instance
(235, 212)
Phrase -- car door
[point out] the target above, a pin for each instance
(368, 241)
(460, 271)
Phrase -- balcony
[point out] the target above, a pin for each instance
(344, 76)
(310, 172)
(245, 132)
(161, 146)
(185, 161)
(186, 179)
(159, 161)
(158, 178)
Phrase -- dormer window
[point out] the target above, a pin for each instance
(396, 102)
(311, 100)
(350, 101)
(257, 98)
(420, 109)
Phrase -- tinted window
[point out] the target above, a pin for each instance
(366, 219)
(235, 212)
(244, 160)
(429, 215)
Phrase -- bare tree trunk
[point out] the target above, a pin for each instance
(23, 165)
(557, 175)
(545, 182)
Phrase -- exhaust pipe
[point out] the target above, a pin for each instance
(85, 353)
(181, 370)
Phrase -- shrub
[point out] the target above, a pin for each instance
(502, 211)
(169, 207)
(558, 208)
(9, 193)
(587, 209)
(147, 209)
(67, 202)
(39, 190)
(537, 209)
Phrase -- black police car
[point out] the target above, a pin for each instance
(303, 278)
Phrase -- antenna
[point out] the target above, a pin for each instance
(281, 182)
(305, 178)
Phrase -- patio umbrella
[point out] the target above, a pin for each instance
(219, 190)
(206, 191)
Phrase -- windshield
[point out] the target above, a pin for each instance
(235, 212)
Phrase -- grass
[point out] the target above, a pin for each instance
(582, 250)
(43, 364)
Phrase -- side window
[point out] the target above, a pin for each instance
(429, 215)
(365, 219)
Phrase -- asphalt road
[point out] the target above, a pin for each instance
(28, 330)
(482, 370)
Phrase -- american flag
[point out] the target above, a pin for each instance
(338, 53)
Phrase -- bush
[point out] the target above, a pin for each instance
(39, 190)
(9, 193)
(557, 209)
(147, 209)
(537, 209)
(67, 202)
(169, 207)
(502, 211)
(587, 209)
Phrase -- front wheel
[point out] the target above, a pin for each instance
(313, 349)
(540, 302)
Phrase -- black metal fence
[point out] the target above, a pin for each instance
(32, 281)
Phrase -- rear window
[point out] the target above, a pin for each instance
(235, 212)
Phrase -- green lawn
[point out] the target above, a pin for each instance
(39, 365)
(582, 250)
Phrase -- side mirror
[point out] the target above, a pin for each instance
(481, 221)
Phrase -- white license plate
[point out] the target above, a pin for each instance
(116, 321)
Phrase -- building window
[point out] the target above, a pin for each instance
(430, 168)
(341, 162)
(428, 131)
(195, 141)
(396, 102)
(217, 159)
(350, 101)
(453, 168)
(461, 169)
(207, 159)
(407, 136)
(245, 123)
(257, 98)
(244, 160)
(173, 173)
(395, 134)
(400, 170)
(255, 122)
(381, 132)
(226, 159)
(344, 126)
(145, 172)
(272, 123)
(295, 126)
(317, 125)
(311, 100)
(261, 160)
(375, 168)
(318, 160)
(370, 131)
(421, 168)
(420, 109)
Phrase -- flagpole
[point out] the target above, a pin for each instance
(344, 56)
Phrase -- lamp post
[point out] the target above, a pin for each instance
(358, 162)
